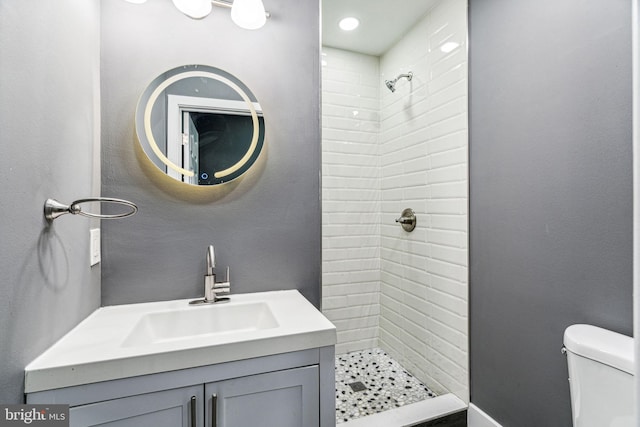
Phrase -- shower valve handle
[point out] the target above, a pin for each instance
(407, 219)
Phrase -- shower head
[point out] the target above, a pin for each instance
(391, 84)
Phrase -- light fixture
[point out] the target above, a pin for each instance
(349, 24)
(196, 9)
(248, 14)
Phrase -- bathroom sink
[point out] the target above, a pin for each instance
(200, 322)
(138, 339)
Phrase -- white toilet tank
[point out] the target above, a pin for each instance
(600, 377)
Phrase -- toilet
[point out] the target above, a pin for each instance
(600, 376)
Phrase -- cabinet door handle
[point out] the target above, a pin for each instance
(193, 405)
(214, 410)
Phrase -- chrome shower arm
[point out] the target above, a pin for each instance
(391, 84)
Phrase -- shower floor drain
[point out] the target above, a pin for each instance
(358, 386)
(369, 381)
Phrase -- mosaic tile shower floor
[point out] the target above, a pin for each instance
(370, 381)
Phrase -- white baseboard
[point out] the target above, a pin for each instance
(476, 417)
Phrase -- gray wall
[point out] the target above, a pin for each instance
(49, 133)
(551, 194)
(267, 226)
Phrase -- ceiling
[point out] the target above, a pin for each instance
(382, 23)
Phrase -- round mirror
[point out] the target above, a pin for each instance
(200, 125)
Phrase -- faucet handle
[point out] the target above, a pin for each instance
(222, 289)
(225, 284)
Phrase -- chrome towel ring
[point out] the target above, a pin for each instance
(53, 208)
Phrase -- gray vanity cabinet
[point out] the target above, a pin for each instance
(286, 398)
(279, 399)
(168, 408)
(285, 390)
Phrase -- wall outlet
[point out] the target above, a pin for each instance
(94, 245)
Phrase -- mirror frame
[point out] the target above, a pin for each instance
(147, 103)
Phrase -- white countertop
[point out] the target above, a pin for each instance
(105, 345)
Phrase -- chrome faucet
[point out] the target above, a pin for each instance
(214, 292)
(211, 260)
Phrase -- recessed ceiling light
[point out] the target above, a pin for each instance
(349, 24)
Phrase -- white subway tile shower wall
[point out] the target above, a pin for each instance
(419, 160)
(423, 154)
(351, 197)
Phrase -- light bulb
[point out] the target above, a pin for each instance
(248, 14)
(195, 9)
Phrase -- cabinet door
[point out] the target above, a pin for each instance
(288, 398)
(169, 408)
